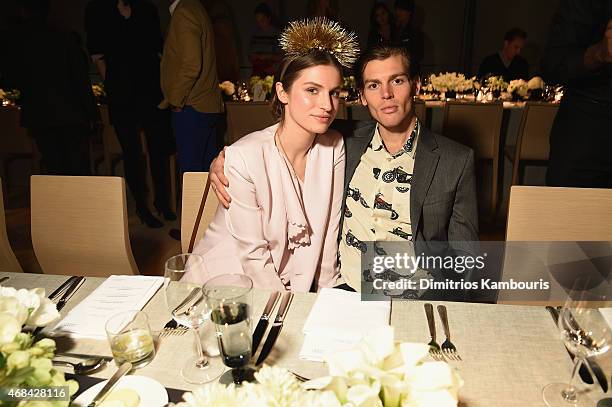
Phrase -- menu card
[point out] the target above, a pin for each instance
(339, 320)
(114, 295)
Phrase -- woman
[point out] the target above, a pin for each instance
(381, 25)
(286, 181)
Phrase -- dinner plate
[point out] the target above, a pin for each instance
(151, 392)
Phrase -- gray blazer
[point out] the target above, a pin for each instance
(443, 203)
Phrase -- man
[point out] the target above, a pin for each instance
(58, 106)
(579, 55)
(190, 84)
(406, 33)
(402, 182)
(508, 62)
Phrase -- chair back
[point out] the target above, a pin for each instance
(559, 214)
(476, 125)
(80, 226)
(246, 117)
(534, 132)
(8, 261)
(194, 184)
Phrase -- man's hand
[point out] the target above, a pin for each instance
(175, 109)
(218, 179)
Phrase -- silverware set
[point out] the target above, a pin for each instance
(277, 325)
(172, 328)
(447, 351)
(62, 295)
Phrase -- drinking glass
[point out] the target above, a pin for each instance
(187, 306)
(230, 297)
(586, 334)
(130, 338)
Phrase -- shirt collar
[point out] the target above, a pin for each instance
(409, 147)
(173, 6)
(504, 60)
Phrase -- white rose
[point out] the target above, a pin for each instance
(364, 396)
(535, 83)
(11, 306)
(9, 328)
(39, 310)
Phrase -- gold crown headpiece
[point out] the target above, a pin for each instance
(322, 34)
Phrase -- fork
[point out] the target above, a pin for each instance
(434, 348)
(173, 328)
(448, 348)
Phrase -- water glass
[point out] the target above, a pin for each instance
(130, 338)
(230, 298)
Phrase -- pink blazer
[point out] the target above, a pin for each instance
(279, 231)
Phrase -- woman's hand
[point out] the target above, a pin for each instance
(218, 179)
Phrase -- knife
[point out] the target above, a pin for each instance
(75, 285)
(592, 365)
(262, 325)
(3, 279)
(61, 288)
(276, 328)
(583, 371)
(123, 369)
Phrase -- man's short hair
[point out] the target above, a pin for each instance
(514, 33)
(380, 53)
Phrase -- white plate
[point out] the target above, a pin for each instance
(151, 392)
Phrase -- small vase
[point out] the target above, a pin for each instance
(496, 93)
(450, 94)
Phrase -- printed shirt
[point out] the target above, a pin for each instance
(377, 202)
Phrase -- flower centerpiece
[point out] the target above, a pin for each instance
(451, 83)
(23, 362)
(518, 89)
(496, 85)
(261, 87)
(536, 88)
(9, 97)
(378, 372)
(228, 90)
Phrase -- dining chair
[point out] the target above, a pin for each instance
(246, 117)
(80, 226)
(194, 184)
(478, 126)
(8, 261)
(532, 145)
(559, 235)
(15, 144)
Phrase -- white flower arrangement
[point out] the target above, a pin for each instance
(377, 373)
(227, 87)
(9, 97)
(261, 87)
(451, 81)
(535, 83)
(519, 86)
(496, 83)
(24, 363)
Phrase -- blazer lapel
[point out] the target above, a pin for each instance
(425, 163)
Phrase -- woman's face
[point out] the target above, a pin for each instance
(381, 15)
(313, 98)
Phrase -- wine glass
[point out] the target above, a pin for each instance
(186, 303)
(586, 334)
(230, 297)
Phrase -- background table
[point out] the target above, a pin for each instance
(509, 352)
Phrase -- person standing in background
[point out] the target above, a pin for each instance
(381, 25)
(264, 51)
(58, 105)
(508, 62)
(190, 84)
(124, 40)
(406, 34)
(579, 55)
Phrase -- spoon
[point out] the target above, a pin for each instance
(85, 367)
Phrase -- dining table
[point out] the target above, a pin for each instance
(509, 352)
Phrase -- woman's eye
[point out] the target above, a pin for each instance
(312, 90)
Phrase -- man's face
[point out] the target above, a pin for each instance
(402, 16)
(513, 48)
(388, 92)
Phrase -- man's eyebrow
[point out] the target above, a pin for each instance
(371, 81)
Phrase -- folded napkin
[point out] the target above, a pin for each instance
(338, 320)
(114, 295)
